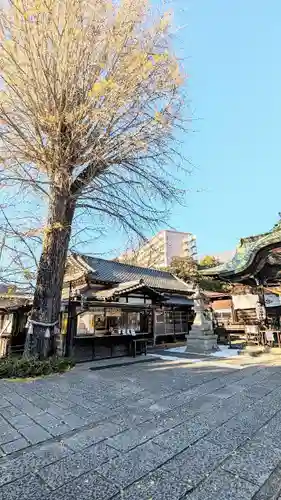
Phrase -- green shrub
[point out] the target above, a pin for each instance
(13, 367)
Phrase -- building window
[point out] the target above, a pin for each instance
(171, 322)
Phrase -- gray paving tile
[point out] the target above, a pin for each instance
(86, 438)
(128, 418)
(14, 446)
(158, 485)
(4, 403)
(9, 411)
(131, 438)
(222, 485)
(232, 433)
(48, 453)
(21, 421)
(15, 468)
(195, 463)
(73, 421)
(68, 468)
(47, 421)
(271, 489)
(7, 434)
(39, 401)
(55, 410)
(269, 433)
(29, 487)
(23, 404)
(180, 437)
(127, 468)
(259, 390)
(60, 430)
(35, 434)
(255, 461)
(90, 486)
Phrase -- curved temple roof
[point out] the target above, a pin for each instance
(248, 257)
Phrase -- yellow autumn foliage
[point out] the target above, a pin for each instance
(102, 86)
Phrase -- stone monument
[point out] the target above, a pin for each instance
(201, 338)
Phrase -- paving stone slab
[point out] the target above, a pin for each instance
(15, 468)
(9, 411)
(258, 391)
(14, 446)
(128, 468)
(182, 436)
(68, 468)
(270, 432)
(222, 485)
(81, 412)
(28, 488)
(60, 430)
(158, 485)
(255, 461)
(131, 438)
(39, 401)
(7, 434)
(21, 421)
(73, 421)
(55, 410)
(48, 453)
(231, 434)
(23, 404)
(128, 418)
(35, 434)
(196, 462)
(47, 421)
(271, 489)
(86, 438)
(4, 403)
(90, 486)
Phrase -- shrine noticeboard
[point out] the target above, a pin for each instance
(113, 312)
(64, 324)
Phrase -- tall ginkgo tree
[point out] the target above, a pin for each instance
(89, 101)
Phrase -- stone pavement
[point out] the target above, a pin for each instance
(165, 430)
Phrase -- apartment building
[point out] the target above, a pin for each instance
(160, 250)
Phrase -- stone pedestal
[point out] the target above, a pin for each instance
(201, 338)
(200, 343)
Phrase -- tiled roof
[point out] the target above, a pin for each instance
(110, 271)
(216, 295)
(9, 303)
(179, 300)
(128, 286)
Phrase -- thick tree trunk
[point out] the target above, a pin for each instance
(47, 296)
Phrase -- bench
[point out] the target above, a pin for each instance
(138, 345)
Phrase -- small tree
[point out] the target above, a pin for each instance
(89, 101)
(209, 261)
(187, 269)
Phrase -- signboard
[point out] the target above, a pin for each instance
(97, 310)
(113, 312)
(247, 301)
(64, 318)
(272, 300)
(269, 336)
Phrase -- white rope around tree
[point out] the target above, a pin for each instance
(47, 334)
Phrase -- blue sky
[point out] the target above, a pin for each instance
(232, 54)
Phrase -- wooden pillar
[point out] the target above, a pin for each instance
(71, 329)
(174, 322)
(153, 324)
